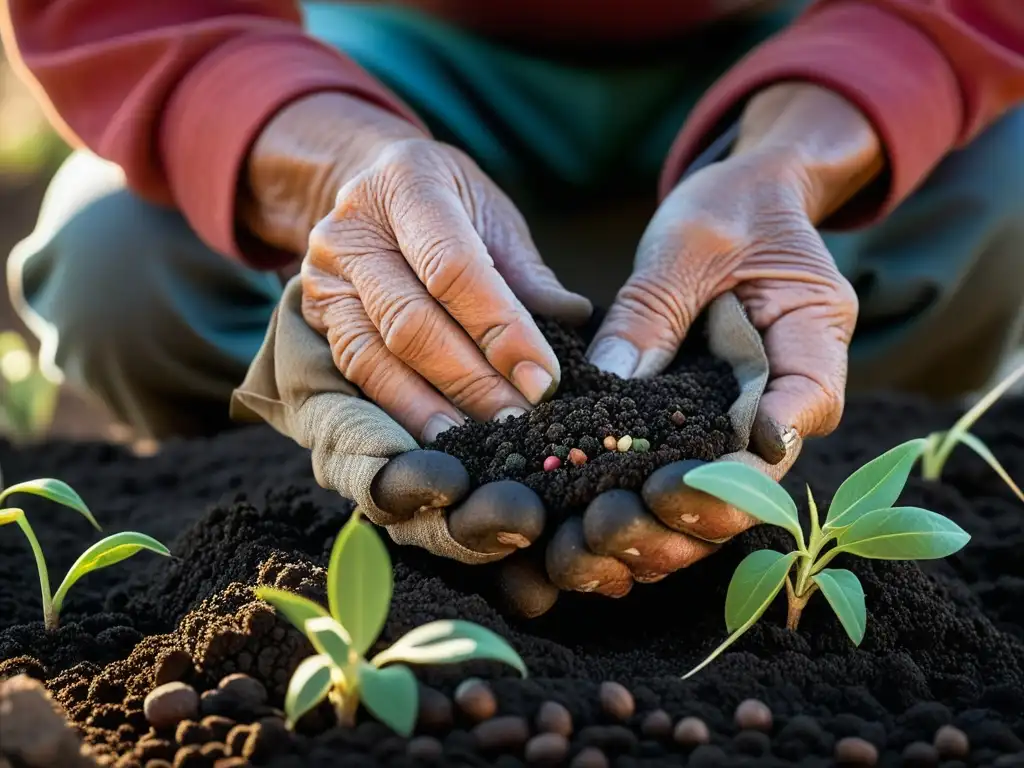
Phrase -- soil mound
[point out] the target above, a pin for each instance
(944, 644)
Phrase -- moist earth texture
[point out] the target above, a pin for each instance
(944, 642)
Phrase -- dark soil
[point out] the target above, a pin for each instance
(945, 639)
(682, 414)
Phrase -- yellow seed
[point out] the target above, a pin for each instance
(624, 443)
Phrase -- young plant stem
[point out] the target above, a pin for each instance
(49, 614)
(799, 593)
(345, 706)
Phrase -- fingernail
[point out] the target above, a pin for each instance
(506, 413)
(533, 381)
(437, 424)
(615, 355)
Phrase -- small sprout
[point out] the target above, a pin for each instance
(861, 521)
(624, 444)
(640, 445)
(610, 443)
(113, 549)
(551, 463)
(577, 457)
(940, 445)
(359, 587)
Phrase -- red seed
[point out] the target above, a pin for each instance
(551, 463)
(577, 457)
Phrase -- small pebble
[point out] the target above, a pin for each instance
(624, 444)
(502, 734)
(691, 732)
(435, 710)
(515, 462)
(172, 666)
(553, 717)
(547, 749)
(952, 743)
(640, 445)
(577, 457)
(854, 750)
(753, 715)
(248, 692)
(920, 754)
(610, 443)
(476, 699)
(169, 704)
(551, 463)
(678, 418)
(657, 725)
(616, 700)
(590, 757)
(424, 747)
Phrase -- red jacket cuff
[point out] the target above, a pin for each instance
(889, 69)
(218, 111)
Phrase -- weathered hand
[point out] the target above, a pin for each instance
(422, 274)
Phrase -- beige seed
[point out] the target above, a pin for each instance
(624, 444)
(610, 443)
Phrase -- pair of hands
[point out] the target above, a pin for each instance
(422, 275)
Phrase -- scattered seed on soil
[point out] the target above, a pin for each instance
(476, 699)
(624, 444)
(610, 443)
(952, 743)
(590, 757)
(640, 445)
(547, 749)
(616, 700)
(657, 724)
(553, 717)
(248, 692)
(435, 710)
(691, 732)
(551, 463)
(920, 754)
(753, 743)
(577, 457)
(502, 734)
(753, 715)
(424, 748)
(170, 703)
(678, 418)
(855, 751)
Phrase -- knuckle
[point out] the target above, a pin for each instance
(475, 387)
(443, 267)
(656, 296)
(407, 326)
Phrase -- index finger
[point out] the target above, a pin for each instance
(444, 249)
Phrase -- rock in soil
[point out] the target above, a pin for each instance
(33, 730)
(944, 645)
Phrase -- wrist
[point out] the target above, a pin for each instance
(829, 147)
(304, 155)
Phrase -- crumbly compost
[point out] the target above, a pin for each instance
(682, 414)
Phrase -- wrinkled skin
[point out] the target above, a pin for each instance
(421, 275)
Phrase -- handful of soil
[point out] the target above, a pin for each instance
(680, 414)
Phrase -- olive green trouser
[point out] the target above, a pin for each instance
(138, 312)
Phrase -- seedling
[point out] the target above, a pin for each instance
(359, 587)
(103, 553)
(861, 521)
(940, 445)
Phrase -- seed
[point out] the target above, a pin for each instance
(577, 457)
(640, 445)
(502, 734)
(610, 443)
(678, 418)
(952, 743)
(656, 724)
(169, 704)
(551, 463)
(547, 749)
(248, 692)
(920, 754)
(854, 750)
(624, 444)
(435, 710)
(691, 732)
(552, 717)
(590, 757)
(616, 700)
(476, 699)
(424, 748)
(753, 715)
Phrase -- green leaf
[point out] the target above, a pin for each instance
(56, 491)
(903, 533)
(359, 583)
(976, 445)
(310, 683)
(750, 491)
(296, 608)
(876, 485)
(845, 594)
(756, 581)
(106, 552)
(331, 639)
(449, 642)
(391, 695)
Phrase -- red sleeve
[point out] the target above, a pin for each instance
(930, 74)
(176, 92)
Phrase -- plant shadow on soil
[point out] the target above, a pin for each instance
(944, 643)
